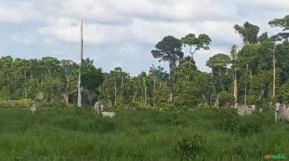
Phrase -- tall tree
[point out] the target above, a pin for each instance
(196, 43)
(234, 55)
(169, 49)
(80, 65)
(282, 23)
(91, 80)
(248, 32)
(69, 70)
(219, 63)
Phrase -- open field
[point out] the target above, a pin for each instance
(74, 135)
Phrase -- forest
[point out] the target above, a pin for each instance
(182, 114)
(255, 73)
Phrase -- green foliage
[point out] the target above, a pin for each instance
(168, 49)
(192, 148)
(219, 61)
(200, 42)
(228, 120)
(24, 103)
(226, 98)
(183, 86)
(62, 134)
(282, 23)
(244, 126)
(249, 32)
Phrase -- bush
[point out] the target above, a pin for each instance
(203, 106)
(225, 98)
(191, 148)
(137, 105)
(23, 103)
(228, 120)
(249, 128)
(250, 125)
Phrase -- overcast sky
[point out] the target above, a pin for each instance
(123, 32)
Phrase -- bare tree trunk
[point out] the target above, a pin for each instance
(245, 98)
(217, 102)
(274, 74)
(114, 92)
(235, 85)
(108, 97)
(171, 81)
(26, 93)
(154, 92)
(80, 64)
(122, 81)
(204, 98)
(66, 98)
(145, 92)
(135, 94)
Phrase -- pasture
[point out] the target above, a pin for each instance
(69, 134)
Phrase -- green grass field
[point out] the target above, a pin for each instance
(79, 135)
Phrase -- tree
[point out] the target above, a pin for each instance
(115, 87)
(196, 43)
(159, 73)
(248, 32)
(219, 64)
(188, 84)
(169, 49)
(263, 37)
(282, 23)
(69, 71)
(234, 55)
(91, 80)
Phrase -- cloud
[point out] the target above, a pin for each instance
(276, 5)
(142, 31)
(123, 32)
(16, 12)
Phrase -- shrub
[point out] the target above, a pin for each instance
(228, 120)
(23, 103)
(250, 125)
(191, 148)
(225, 98)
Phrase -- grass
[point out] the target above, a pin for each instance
(74, 135)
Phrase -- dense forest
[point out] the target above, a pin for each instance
(255, 73)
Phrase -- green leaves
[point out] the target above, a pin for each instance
(200, 42)
(169, 49)
(282, 23)
(219, 61)
(249, 32)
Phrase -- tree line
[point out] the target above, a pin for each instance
(255, 73)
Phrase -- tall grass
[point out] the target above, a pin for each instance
(74, 135)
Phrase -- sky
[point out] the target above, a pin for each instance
(121, 33)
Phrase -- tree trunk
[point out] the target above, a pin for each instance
(274, 74)
(108, 97)
(245, 98)
(235, 85)
(246, 93)
(114, 92)
(154, 92)
(66, 98)
(171, 81)
(217, 102)
(204, 98)
(145, 92)
(135, 94)
(80, 64)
